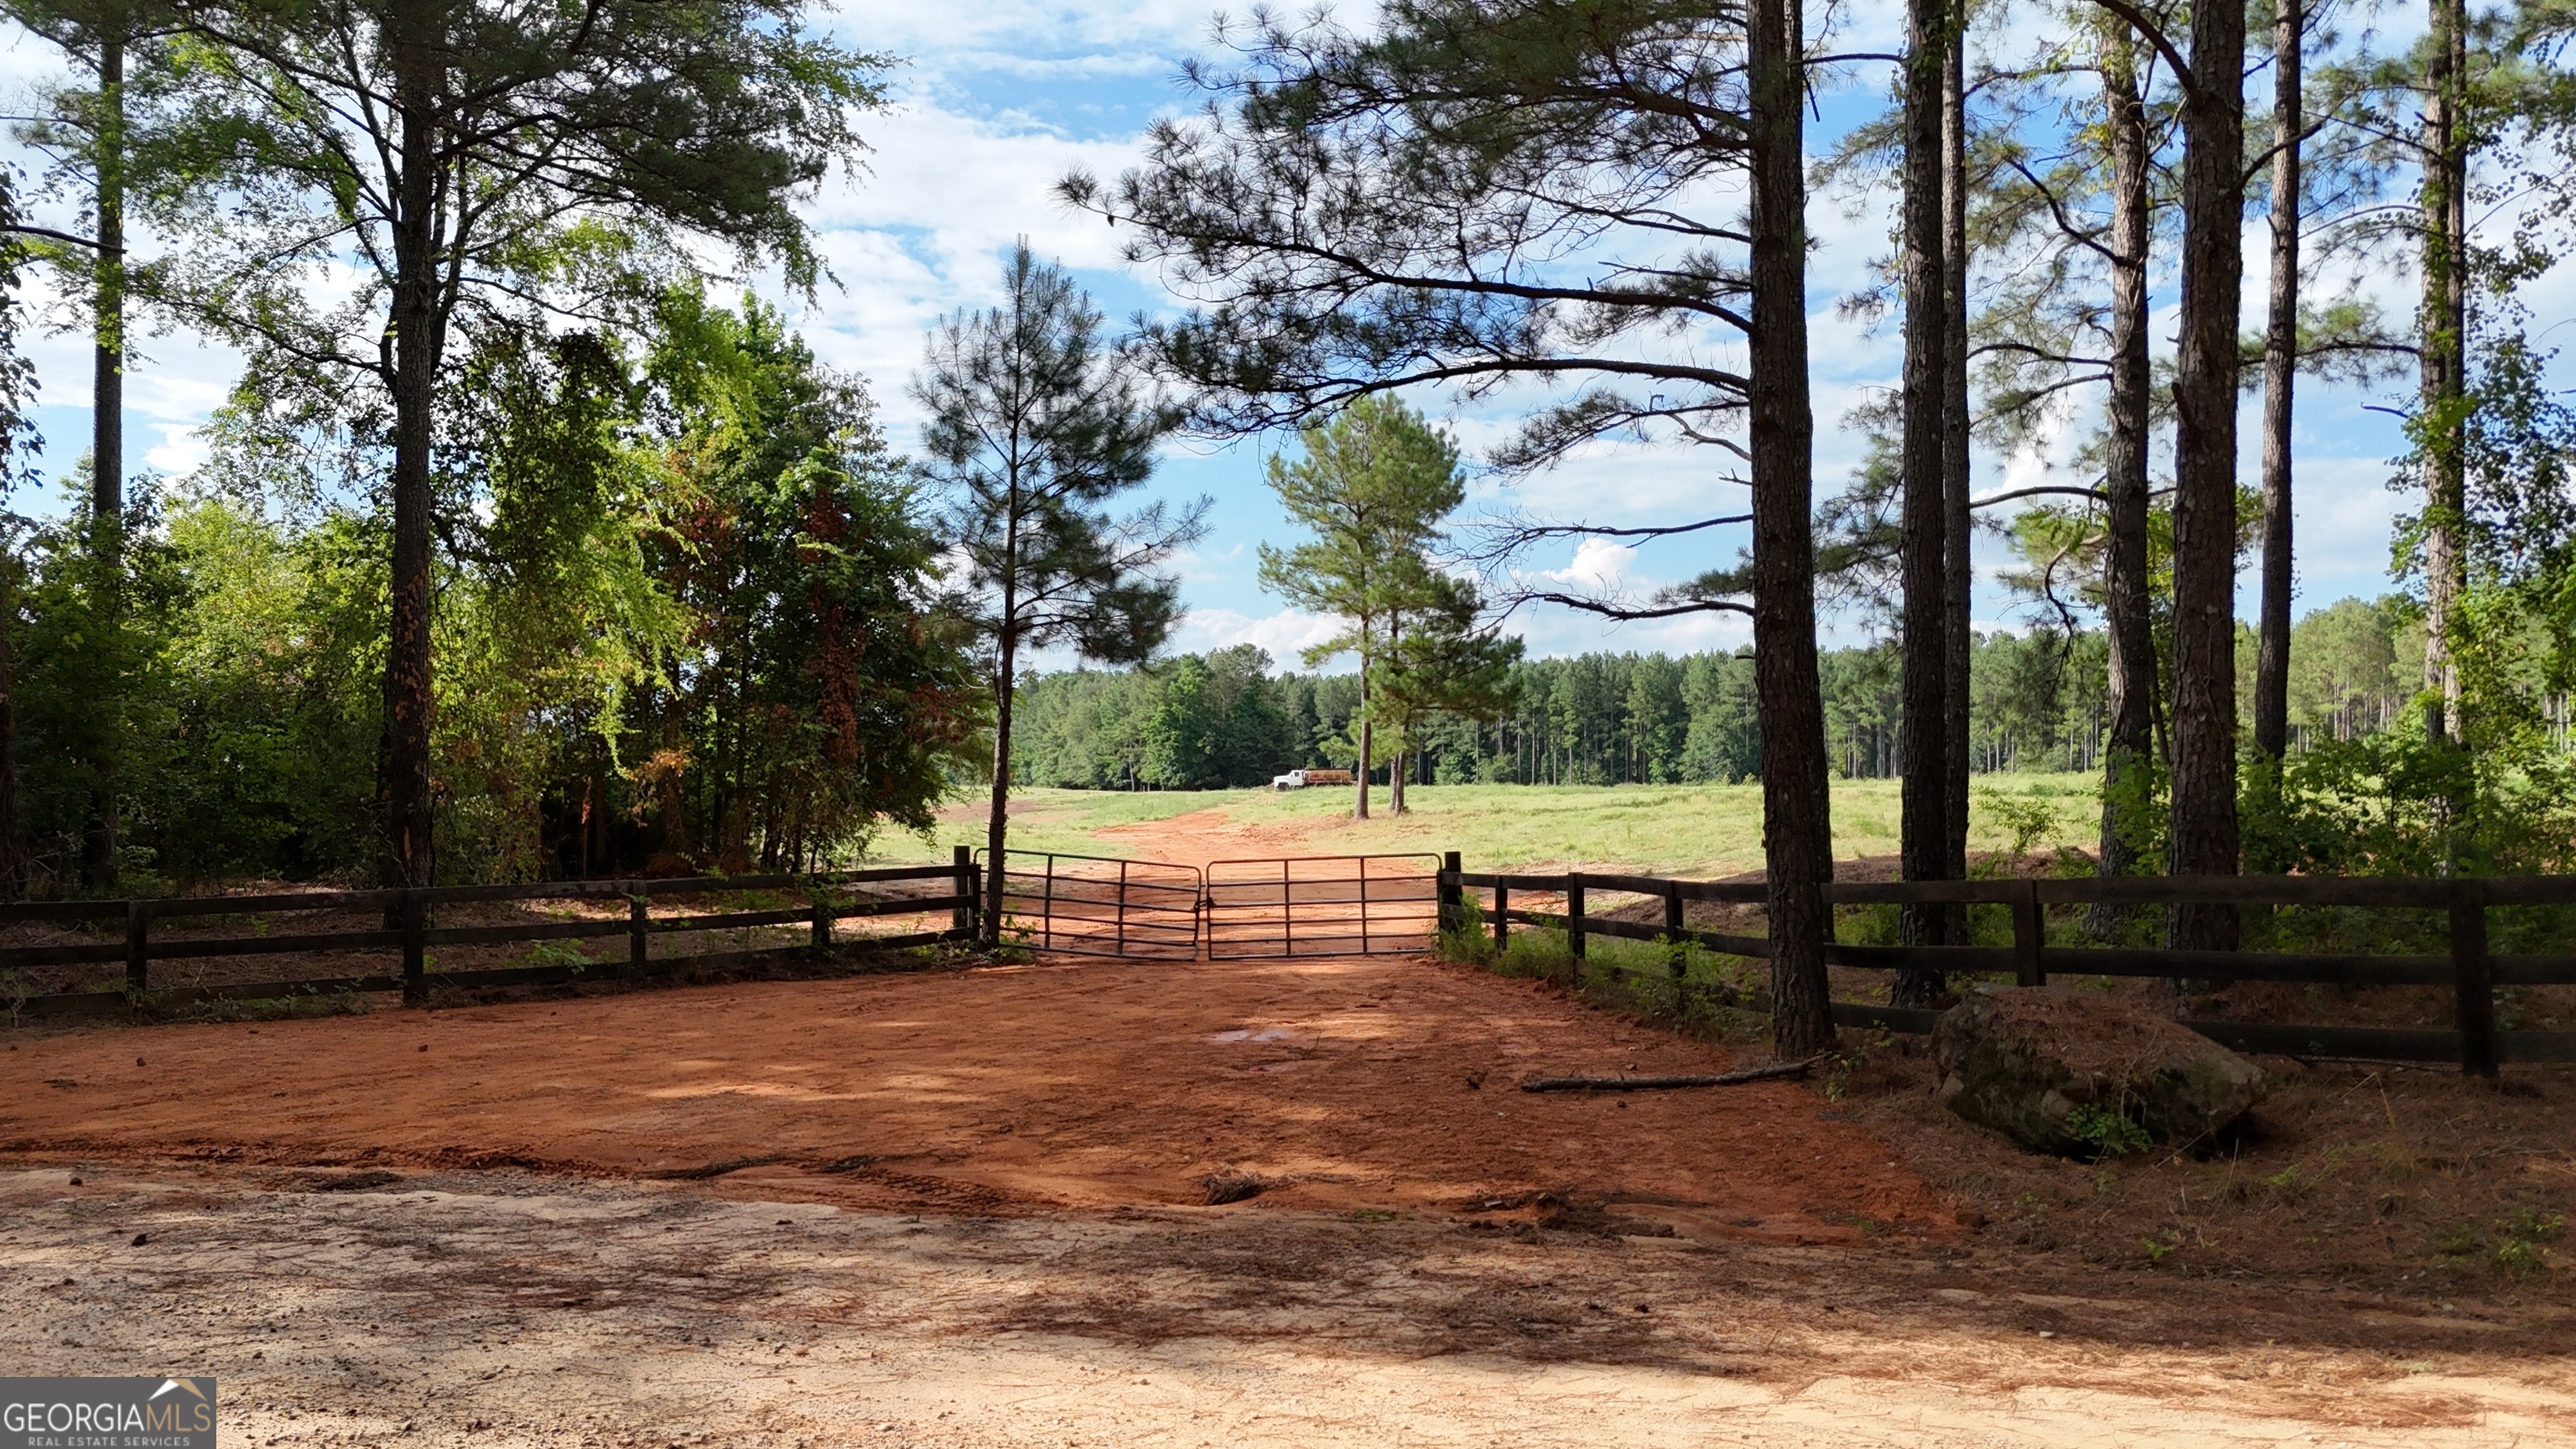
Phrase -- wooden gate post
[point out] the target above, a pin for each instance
(1453, 892)
(2029, 934)
(138, 949)
(1502, 918)
(2473, 978)
(1675, 947)
(415, 910)
(963, 917)
(1574, 914)
(638, 952)
(822, 917)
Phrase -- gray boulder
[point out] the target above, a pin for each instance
(2079, 1074)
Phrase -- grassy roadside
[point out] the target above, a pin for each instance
(1698, 830)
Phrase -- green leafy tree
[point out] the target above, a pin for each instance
(1035, 425)
(1181, 734)
(814, 695)
(17, 387)
(473, 158)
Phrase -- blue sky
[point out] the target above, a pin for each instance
(995, 101)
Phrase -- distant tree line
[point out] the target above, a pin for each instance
(2037, 703)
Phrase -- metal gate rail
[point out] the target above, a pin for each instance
(1094, 905)
(1323, 905)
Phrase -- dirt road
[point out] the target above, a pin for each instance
(968, 1209)
(501, 1308)
(1380, 1082)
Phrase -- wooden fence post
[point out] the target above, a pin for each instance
(1502, 918)
(2473, 978)
(965, 917)
(822, 917)
(638, 953)
(138, 949)
(1677, 949)
(2029, 934)
(1453, 892)
(1574, 914)
(415, 909)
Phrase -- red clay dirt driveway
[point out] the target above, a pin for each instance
(1346, 1083)
(966, 1210)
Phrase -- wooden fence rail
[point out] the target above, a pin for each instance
(412, 933)
(2469, 968)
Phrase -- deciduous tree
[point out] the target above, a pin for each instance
(476, 156)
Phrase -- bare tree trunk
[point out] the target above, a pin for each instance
(2203, 837)
(2444, 357)
(1924, 793)
(1367, 734)
(13, 854)
(1797, 822)
(997, 822)
(99, 845)
(1958, 574)
(2129, 750)
(2280, 372)
(414, 321)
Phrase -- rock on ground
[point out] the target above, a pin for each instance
(2051, 1069)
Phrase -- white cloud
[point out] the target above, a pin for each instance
(1597, 564)
(1284, 634)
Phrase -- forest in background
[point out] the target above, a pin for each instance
(1224, 719)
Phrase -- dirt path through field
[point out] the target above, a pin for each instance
(1201, 836)
(1380, 1082)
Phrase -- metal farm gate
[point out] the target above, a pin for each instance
(1090, 905)
(1325, 905)
(1330, 905)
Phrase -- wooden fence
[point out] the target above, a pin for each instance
(2471, 971)
(413, 931)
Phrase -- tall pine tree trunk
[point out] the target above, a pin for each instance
(1958, 575)
(1923, 830)
(2203, 836)
(2443, 359)
(13, 854)
(99, 845)
(997, 820)
(2280, 372)
(1797, 822)
(404, 770)
(2128, 750)
(1367, 733)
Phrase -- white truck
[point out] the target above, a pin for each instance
(1300, 779)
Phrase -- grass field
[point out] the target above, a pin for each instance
(1693, 829)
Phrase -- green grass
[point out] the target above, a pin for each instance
(1698, 830)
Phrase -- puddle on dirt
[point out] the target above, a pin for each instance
(1245, 1033)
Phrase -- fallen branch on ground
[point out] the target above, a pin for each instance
(1643, 1084)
